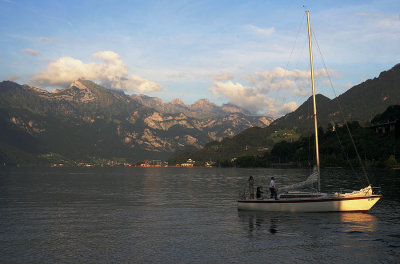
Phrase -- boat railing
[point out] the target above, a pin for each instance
(367, 191)
(341, 191)
(245, 195)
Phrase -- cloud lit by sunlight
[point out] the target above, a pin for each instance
(245, 97)
(13, 78)
(268, 91)
(31, 52)
(110, 71)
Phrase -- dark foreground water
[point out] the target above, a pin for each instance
(178, 215)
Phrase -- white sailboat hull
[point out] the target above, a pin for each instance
(351, 204)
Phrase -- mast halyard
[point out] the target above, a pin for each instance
(314, 101)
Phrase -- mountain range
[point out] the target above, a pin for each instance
(202, 108)
(88, 122)
(360, 103)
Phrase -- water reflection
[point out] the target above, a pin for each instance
(358, 222)
(286, 223)
(273, 227)
(169, 215)
(259, 222)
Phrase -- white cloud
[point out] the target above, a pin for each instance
(281, 79)
(287, 108)
(110, 71)
(301, 92)
(246, 97)
(223, 76)
(261, 31)
(272, 92)
(377, 26)
(251, 98)
(31, 52)
(141, 85)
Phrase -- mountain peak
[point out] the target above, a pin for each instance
(177, 101)
(231, 108)
(78, 84)
(202, 102)
(77, 91)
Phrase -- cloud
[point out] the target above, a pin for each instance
(110, 71)
(272, 92)
(301, 92)
(380, 26)
(223, 76)
(251, 98)
(140, 85)
(280, 79)
(260, 31)
(45, 39)
(287, 108)
(348, 85)
(13, 77)
(31, 52)
(240, 95)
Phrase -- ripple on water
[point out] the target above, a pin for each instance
(177, 215)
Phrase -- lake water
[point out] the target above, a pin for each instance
(184, 215)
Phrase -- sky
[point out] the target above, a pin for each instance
(250, 53)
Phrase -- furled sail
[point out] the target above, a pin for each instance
(313, 178)
(367, 191)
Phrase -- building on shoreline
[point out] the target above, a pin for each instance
(188, 163)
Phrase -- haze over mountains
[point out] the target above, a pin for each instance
(86, 121)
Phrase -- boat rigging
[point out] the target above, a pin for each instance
(295, 201)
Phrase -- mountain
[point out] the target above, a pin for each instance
(89, 122)
(249, 142)
(390, 115)
(360, 103)
(302, 117)
(202, 108)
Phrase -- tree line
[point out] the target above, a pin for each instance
(336, 148)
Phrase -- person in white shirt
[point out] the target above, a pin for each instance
(272, 188)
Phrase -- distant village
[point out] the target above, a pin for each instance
(144, 164)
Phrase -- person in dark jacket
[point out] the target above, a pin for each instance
(259, 193)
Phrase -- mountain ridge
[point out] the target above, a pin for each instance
(360, 103)
(202, 108)
(87, 121)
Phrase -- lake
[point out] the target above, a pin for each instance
(184, 215)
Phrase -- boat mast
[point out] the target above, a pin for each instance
(314, 102)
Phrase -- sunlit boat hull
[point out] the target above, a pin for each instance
(351, 204)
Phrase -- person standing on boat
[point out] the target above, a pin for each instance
(272, 189)
(251, 187)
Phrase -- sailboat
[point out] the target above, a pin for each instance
(294, 201)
